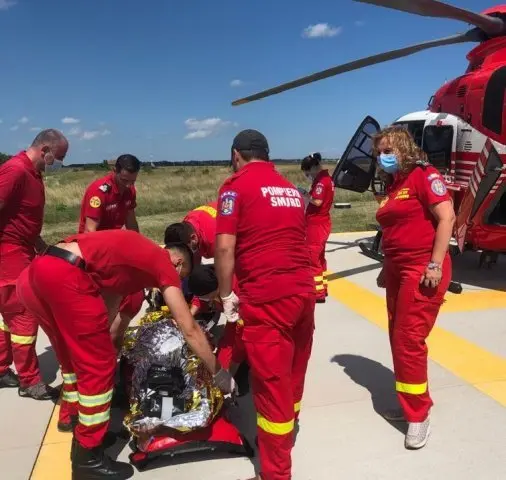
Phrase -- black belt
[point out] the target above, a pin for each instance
(67, 256)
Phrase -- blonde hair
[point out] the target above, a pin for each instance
(403, 144)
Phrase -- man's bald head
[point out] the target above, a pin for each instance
(48, 146)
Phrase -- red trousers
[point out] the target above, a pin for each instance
(18, 329)
(317, 235)
(278, 338)
(231, 346)
(412, 312)
(131, 305)
(74, 316)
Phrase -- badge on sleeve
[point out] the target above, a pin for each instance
(319, 189)
(105, 187)
(438, 187)
(227, 203)
(95, 202)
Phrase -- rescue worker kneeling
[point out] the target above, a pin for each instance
(74, 289)
(417, 219)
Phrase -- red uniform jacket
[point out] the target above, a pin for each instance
(104, 203)
(321, 189)
(266, 214)
(21, 218)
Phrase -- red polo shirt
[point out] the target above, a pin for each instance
(321, 189)
(104, 203)
(203, 220)
(408, 226)
(22, 193)
(123, 271)
(266, 213)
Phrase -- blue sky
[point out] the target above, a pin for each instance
(157, 78)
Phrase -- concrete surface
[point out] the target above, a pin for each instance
(349, 380)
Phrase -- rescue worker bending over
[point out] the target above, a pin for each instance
(22, 200)
(109, 203)
(75, 288)
(260, 235)
(318, 221)
(417, 220)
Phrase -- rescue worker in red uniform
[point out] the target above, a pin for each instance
(260, 235)
(318, 221)
(197, 230)
(75, 288)
(22, 200)
(109, 203)
(417, 220)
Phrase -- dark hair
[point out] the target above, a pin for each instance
(248, 155)
(183, 249)
(128, 162)
(178, 232)
(312, 160)
(203, 280)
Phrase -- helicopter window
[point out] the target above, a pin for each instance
(437, 144)
(415, 128)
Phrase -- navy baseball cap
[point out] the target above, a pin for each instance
(250, 140)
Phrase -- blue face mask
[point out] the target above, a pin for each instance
(388, 162)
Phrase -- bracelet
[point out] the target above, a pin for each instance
(434, 266)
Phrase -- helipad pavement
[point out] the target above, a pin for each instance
(349, 378)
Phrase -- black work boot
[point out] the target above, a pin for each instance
(94, 464)
(39, 391)
(9, 380)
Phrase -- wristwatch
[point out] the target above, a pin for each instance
(434, 266)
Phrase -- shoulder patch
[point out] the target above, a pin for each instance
(227, 202)
(432, 176)
(95, 202)
(438, 187)
(319, 189)
(105, 187)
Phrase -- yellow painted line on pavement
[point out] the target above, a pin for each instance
(471, 301)
(473, 364)
(53, 461)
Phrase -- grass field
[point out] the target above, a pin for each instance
(166, 194)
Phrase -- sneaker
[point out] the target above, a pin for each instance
(39, 391)
(418, 434)
(395, 415)
(9, 380)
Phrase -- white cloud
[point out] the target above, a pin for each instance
(321, 30)
(74, 131)
(70, 120)
(91, 134)
(6, 4)
(206, 127)
(35, 129)
(359, 23)
(236, 83)
(14, 128)
(23, 120)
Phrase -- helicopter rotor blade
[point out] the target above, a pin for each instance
(434, 8)
(470, 36)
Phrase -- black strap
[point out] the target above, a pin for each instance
(66, 255)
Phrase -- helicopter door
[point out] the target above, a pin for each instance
(355, 170)
(485, 176)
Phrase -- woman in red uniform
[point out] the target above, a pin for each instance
(417, 220)
(318, 219)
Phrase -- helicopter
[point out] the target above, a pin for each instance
(462, 129)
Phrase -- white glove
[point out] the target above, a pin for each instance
(225, 382)
(231, 307)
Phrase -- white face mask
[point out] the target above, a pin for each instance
(55, 166)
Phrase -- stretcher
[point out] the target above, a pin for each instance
(182, 410)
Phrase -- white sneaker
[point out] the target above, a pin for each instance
(418, 434)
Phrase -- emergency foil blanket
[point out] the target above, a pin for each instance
(157, 344)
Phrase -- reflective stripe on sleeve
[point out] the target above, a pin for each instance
(3, 326)
(411, 388)
(274, 428)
